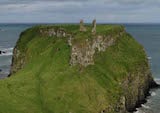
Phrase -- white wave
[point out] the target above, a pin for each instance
(145, 106)
(138, 111)
(149, 58)
(149, 101)
(157, 80)
(153, 94)
(4, 72)
(8, 51)
(7, 54)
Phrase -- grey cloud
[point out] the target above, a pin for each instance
(106, 1)
(73, 10)
(133, 2)
(5, 2)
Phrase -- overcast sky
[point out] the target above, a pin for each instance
(66, 11)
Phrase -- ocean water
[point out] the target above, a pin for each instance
(9, 34)
(147, 35)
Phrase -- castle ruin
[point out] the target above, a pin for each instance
(82, 28)
(94, 26)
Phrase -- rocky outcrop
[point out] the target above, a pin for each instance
(18, 61)
(136, 87)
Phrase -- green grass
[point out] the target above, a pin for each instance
(48, 84)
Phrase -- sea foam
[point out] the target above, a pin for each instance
(8, 51)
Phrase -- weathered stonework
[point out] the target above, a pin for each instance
(83, 53)
(94, 27)
(82, 28)
(70, 40)
(53, 32)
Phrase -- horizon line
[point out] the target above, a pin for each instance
(78, 23)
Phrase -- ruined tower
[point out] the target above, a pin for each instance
(94, 26)
(82, 28)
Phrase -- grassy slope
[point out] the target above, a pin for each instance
(47, 84)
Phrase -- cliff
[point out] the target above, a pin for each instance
(59, 69)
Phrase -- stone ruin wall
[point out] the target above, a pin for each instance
(83, 53)
(54, 32)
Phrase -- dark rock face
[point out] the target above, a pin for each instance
(136, 87)
(18, 61)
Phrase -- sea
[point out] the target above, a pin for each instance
(146, 34)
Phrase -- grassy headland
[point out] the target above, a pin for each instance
(47, 83)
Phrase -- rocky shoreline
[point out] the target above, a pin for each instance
(138, 91)
(153, 85)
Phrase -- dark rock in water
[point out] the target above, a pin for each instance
(9, 74)
(0, 70)
(1, 52)
(153, 84)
